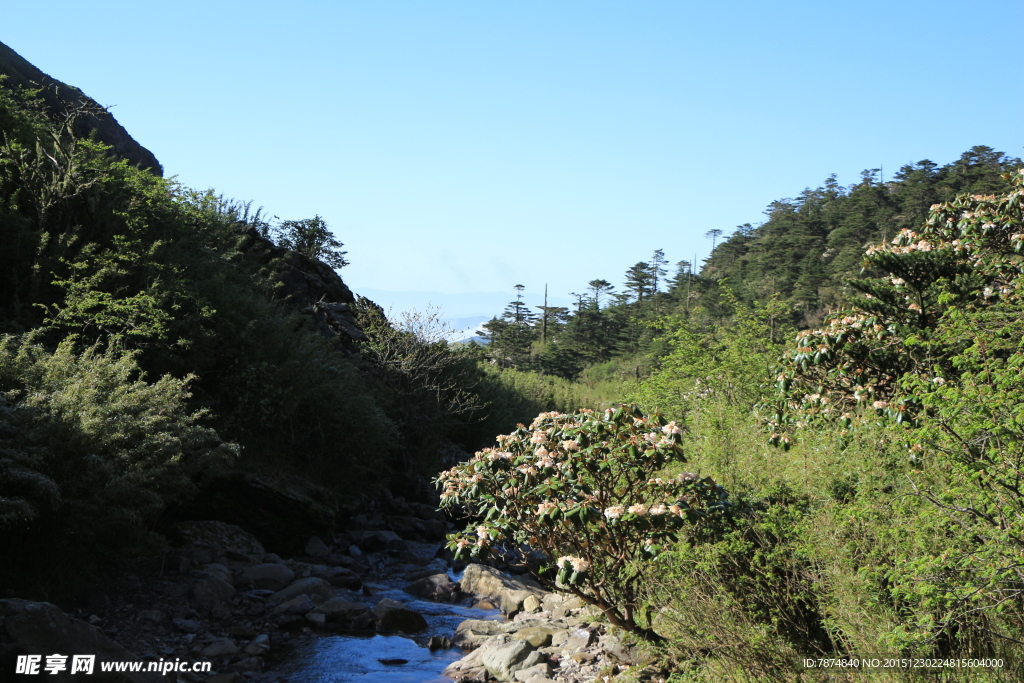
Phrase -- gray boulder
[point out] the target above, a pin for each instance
(503, 657)
(394, 616)
(210, 593)
(222, 540)
(258, 646)
(39, 628)
(220, 647)
(377, 541)
(487, 581)
(270, 576)
(534, 674)
(312, 586)
(341, 610)
(317, 548)
(438, 587)
(300, 604)
(340, 577)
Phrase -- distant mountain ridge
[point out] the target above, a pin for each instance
(21, 73)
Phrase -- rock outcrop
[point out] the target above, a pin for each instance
(39, 628)
(21, 73)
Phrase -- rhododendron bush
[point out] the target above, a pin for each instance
(578, 497)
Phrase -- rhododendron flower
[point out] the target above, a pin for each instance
(658, 510)
(578, 564)
(614, 512)
(570, 445)
(638, 509)
(672, 428)
(538, 437)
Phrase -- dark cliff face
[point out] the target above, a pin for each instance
(20, 73)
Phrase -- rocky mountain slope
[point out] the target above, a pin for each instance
(56, 95)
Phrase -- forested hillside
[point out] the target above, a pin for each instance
(803, 257)
(159, 342)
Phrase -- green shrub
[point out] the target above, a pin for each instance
(580, 490)
(92, 453)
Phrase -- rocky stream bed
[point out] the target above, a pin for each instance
(381, 603)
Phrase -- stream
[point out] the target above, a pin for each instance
(346, 658)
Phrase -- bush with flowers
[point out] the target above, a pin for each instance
(578, 497)
(933, 350)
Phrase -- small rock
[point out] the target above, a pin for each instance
(436, 587)
(259, 645)
(219, 648)
(376, 541)
(487, 581)
(340, 609)
(248, 664)
(188, 625)
(395, 661)
(214, 570)
(153, 615)
(538, 636)
(503, 657)
(339, 577)
(242, 632)
(220, 613)
(538, 671)
(438, 643)
(300, 604)
(317, 548)
(531, 604)
(270, 576)
(312, 587)
(339, 560)
(211, 592)
(291, 622)
(579, 640)
(512, 600)
(364, 622)
(318, 619)
(394, 616)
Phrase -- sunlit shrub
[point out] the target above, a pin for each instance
(579, 496)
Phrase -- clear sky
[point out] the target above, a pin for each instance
(463, 147)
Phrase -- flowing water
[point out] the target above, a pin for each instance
(347, 658)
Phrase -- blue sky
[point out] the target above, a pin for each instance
(465, 147)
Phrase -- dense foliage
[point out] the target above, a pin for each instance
(150, 342)
(801, 256)
(577, 497)
(153, 341)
